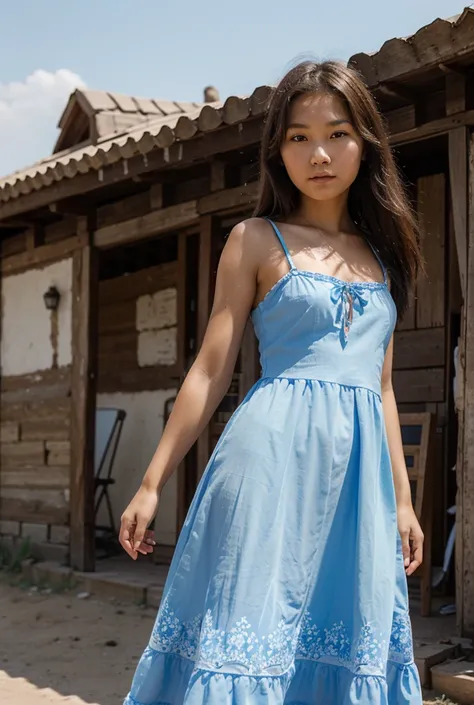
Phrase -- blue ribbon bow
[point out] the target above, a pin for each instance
(349, 300)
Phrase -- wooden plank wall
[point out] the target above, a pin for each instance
(420, 353)
(118, 368)
(35, 460)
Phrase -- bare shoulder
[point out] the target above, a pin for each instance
(250, 228)
(252, 236)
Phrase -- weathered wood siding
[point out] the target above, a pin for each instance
(138, 330)
(420, 355)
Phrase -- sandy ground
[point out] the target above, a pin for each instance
(57, 648)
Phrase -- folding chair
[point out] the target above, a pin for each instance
(108, 429)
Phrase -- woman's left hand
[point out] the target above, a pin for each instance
(412, 539)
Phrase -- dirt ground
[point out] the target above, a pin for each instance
(58, 648)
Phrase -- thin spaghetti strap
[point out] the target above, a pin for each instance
(282, 243)
(377, 257)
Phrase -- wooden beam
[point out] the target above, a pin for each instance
(456, 70)
(244, 195)
(41, 256)
(12, 224)
(226, 139)
(458, 187)
(149, 225)
(176, 217)
(397, 91)
(123, 209)
(71, 206)
(432, 128)
(85, 287)
(204, 309)
(465, 465)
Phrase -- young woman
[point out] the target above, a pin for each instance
(288, 583)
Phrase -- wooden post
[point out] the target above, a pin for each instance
(204, 307)
(458, 178)
(465, 464)
(455, 84)
(182, 313)
(83, 391)
(182, 330)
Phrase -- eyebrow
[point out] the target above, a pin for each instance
(332, 123)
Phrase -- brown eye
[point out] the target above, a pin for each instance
(339, 133)
(297, 138)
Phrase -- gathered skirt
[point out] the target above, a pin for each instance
(287, 585)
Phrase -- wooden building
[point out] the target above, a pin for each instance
(127, 220)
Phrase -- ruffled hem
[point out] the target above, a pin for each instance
(168, 679)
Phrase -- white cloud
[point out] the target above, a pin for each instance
(29, 114)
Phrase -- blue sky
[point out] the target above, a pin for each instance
(171, 49)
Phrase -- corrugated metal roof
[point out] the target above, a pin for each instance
(441, 41)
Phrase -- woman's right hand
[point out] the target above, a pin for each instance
(134, 536)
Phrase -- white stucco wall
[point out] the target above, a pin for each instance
(26, 323)
(142, 429)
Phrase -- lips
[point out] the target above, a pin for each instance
(322, 177)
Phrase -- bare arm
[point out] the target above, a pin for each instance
(211, 374)
(207, 380)
(410, 531)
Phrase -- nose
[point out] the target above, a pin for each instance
(319, 156)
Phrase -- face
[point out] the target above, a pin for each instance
(321, 150)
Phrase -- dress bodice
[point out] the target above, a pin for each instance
(315, 326)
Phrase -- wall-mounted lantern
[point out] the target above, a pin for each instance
(51, 298)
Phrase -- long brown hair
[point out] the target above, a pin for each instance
(378, 203)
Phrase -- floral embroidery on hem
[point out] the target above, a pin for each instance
(273, 654)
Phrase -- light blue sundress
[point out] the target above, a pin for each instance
(287, 584)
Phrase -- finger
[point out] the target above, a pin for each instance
(406, 548)
(139, 533)
(144, 549)
(126, 542)
(417, 555)
(416, 558)
(147, 544)
(150, 537)
(414, 565)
